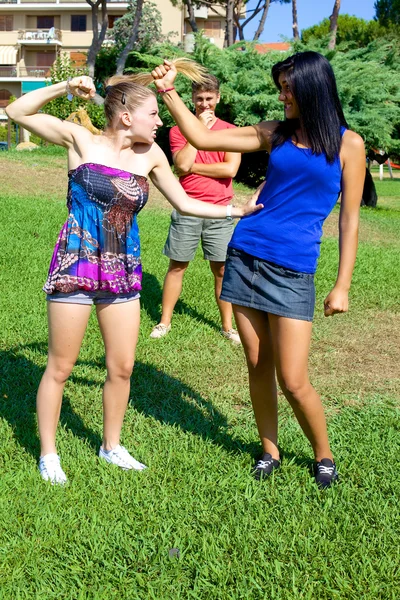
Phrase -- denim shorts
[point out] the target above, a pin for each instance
(99, 297)
(256, 283)
(186, 232)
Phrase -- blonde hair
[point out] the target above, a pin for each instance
(131, 91)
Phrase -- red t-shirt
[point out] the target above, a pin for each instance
(207, 189)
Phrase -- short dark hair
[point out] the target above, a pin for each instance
(210, 85)
(313, 84)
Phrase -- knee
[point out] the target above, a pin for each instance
(259, 367)
(177, 267)
(60, 371)
(294, 388)
(120, 370)
(217, 269)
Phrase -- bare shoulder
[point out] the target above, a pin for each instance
(266, 129)
(80, 132)
(352, 142)
(156, 154)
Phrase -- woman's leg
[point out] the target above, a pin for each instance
(67, 325)
(119, 325)
(291, 342)
(254, 329)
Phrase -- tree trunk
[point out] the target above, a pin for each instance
(333, 26)
(98, 36)
(229, 24)
(236, 15)
(192, 18)
(132, 38)
(294, 19)
(261, 24)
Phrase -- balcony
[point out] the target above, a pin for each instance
(40, 72)
(39, 37)
(8, 71)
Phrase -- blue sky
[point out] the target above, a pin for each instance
(309, 12)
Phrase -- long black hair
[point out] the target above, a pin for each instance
(312, 83)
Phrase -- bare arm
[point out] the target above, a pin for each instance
(184, 159)
(241, 139)
(353, 175)
(24, 111)
(223, 170)
(163, 178)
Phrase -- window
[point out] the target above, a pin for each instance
(78, 59)
(212, 28)
(45, 22)
(78, 22)
(5, 96)
(45, 59)
(112, 19)
(6, 23)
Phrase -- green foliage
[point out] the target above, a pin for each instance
(387, 11)
(149, 33)
(369, 88)
(351, 29)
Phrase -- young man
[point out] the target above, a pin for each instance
(206, 176)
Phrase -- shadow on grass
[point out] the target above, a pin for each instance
(151, 298)
(20, 378)
(154, 394)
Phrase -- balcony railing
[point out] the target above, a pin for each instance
(8, 71)
(34, 71)
(24, 71)
(46, 36)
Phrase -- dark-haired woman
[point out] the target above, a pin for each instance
(97, 256)
(272, 258)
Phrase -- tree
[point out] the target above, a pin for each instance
(139, 29)
(250, 15)
(99, 34)
(264, 14)
(133, 37)
(387, 11)
(230, 24)
(333, 26)
(294, 20)
(351, 30)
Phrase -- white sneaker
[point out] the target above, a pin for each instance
(120, 456)
(231, 335)
(50, 469)
(160, 330)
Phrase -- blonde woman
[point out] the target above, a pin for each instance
(97, 256)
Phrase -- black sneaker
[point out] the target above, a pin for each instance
(264, 467)
(325, 473)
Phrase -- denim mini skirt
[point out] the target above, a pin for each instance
(260, 284)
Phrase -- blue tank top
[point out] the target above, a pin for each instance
(301, 190)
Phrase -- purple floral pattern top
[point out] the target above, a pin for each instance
(99, 247)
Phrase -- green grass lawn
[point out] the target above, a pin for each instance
(195, 525)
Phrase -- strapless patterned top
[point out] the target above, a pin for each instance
(99, 247)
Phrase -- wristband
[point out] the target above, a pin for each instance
(166, 90)
(229, 212)
(69, 93)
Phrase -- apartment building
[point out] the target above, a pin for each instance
(33, 33)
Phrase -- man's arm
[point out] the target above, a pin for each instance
(223, 170)
(184, 159)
